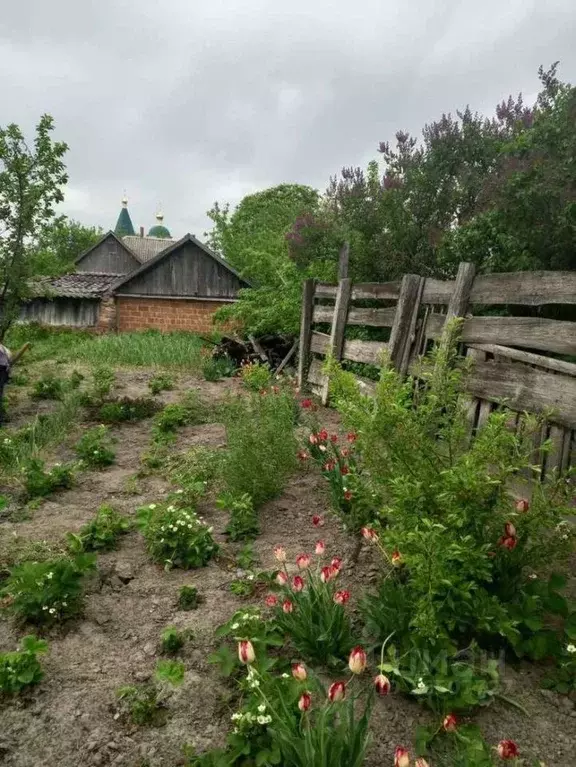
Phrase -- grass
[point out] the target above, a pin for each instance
(149, 348)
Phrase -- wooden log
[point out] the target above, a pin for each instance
(403, 327)
(525, 288)
(379, 318)
(336, 345)
(258, 349)
(550, 363)
(305, 330)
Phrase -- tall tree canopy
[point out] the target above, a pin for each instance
(60, 244)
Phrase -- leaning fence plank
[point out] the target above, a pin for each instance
(400, 335)
(550, 363)
(305, 331)
(338, 330)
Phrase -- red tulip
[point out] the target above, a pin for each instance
(313, 439)
(522, 506)
(281, 578)
(303, 561)
(357, 660)
(336, 692)
(305, 701)
(303, 455)
(507, 749)
(344, 470)
(450, 722)
(287, 606)
(317, 520)
(333, 438)
(508, 542)
(351, 436)
(421, 762)
(299, 672)
(306, 404)
(297, 583)
(509, 530)
(344, 452)
(326, 574)
(369, 533)
(322, 435)
(401, 757)
(320, 548)
(280, 553)
(336, 565)
(271, 600)
(396, 557)
(347, 495)
(246, 652)
(341, 597)
(329, 465)
(382, 684)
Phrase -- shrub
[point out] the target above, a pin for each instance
(311, 608)
(176, 537)
(261, 445)
(188, 598)
(160, 382)
(215, 368)
(146, 703)
(126, 409)
(21, 668)
(95, 447)
(190, 411)
(46, 592)
(243, 523)
(255, 376)
(39, 483)
(48, 386)
(173, 640)
(101, 534)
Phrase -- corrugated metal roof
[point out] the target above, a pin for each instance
(147, 248)
(80, 285)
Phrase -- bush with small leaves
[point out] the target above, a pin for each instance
(39, 483)
(160, 382)
(126, 409)
(255, 376)
(47, 592)
(48, 386)
(215, 368)
(101, 534)
(146, 703)
(243, 523)
(176, 536)
(21, 668)
(188, 598)
(173, 640)
(103, 381)
(95, 447)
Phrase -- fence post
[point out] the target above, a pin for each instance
(405, 321)
(336, 344)
(305, 331)
(343, 261)
(462, 289)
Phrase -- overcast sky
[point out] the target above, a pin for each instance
(183, 102)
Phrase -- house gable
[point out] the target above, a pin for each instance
(109, 256)
(188, 269)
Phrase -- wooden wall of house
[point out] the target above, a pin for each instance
(109, 257)
(188, 271)
(61, 312)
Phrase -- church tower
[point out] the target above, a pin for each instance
(159, 230)
(124, 224)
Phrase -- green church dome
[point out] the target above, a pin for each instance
(124, 226)
(159, 230)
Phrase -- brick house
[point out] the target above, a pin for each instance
(129, 282)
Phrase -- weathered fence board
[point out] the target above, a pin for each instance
(378, 318)
(369, 352)
(525, 288)
(550, 363)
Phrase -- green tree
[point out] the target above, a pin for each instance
(31, 182)
(60, 244)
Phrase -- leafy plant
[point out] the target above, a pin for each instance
(147, 703)
(176, 537)
(563, 680)
(48, 386)
(215, 368)
(21, 669)
(46, 592)
(173, 640)
(243, 523)
(189, 412)
(95, 447)
(39, 483)
(101, 534)
(261, 449)
(188, 598)
(160, 382)
(103, 381)
(126, 409)
(255, 376)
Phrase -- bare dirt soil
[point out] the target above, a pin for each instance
(71, 717)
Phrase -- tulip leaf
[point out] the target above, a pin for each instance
(557, 582)
(570, 626)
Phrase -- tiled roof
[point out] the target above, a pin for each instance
(146, 248)
(79, 285)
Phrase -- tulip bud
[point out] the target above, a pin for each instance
(336, 692)
(508, 542)
(336, 565)
(341, 597)
(303, 561)
(246, 652)
(509, 530)
(344, 470)
(317, 520)
(421, 762)
(351, 436)
(345, 452)
(522, 505)
(326, 574)
(297, 583)
(334, 438)
(449, 723)
(401, 757)
(287, 606)
(280, 553)
(299, 672)
(357, 660)
(320, 548)
(329, 465)
(382, 684)
(281, 578)
(347, 494)
(313, 439)
(305, 701)
(303, 455)
(507, 749)
(369, 533)
(322, 435)
(396, 557)
(306, 404)
(271, 600)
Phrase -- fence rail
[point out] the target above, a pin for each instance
(516, 361)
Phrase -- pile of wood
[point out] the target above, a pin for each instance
(276, 351)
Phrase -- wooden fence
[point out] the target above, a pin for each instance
(512, 354)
